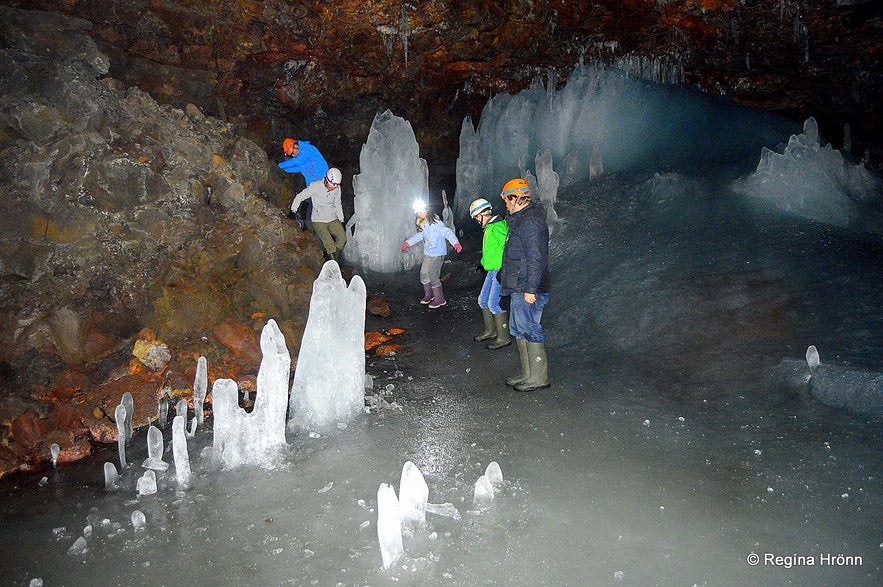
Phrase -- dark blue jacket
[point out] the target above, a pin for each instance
(309, 162)
(526, 254)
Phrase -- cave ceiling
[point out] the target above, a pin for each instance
(320, 70)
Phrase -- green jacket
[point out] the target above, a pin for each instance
(492, 244)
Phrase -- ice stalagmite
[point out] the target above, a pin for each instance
(812, 358)
(494, 474)
(413, 497)
(329, 381)
(129, 402)
(120, 416)
(154, 450)
(200, 388)
(180, 453)
(54, 451)
(483, 494)
(389, 525)
(392, 175)
(242, 438)
(146, 484)
(111, 477)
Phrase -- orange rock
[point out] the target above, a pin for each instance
(395, 331)
(374, 339)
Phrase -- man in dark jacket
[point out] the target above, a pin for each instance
(525, 276)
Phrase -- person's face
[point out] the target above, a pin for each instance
(510, 202)
(293, 150)
(421, 214)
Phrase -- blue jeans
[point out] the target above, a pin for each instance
(489, 298)
(524, 318)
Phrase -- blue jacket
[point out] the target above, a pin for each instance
(526, 254)
(434, 236)
(309, 162)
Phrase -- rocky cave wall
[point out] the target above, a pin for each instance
(134, 237)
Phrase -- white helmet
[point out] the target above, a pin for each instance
(334, 176)
(479, 206)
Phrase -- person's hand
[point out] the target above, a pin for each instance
(458, 247)
(405, 245)
(530, 298)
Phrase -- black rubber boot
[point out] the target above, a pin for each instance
(501, 324)
(489, 329)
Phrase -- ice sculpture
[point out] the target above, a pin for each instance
(154, 450)
(329, 380)
(54, 451)
(111, 477)
(242, 438)
(392, 175)
(128, 401)
(146, 484)
(413, 496)
(389, 525)
(483, 494)
(180, 453)
(120, 416)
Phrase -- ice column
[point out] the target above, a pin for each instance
(392, 175)
(329, 380)
(120, 416)
(129, 402)
(413, 497)
(180, 453)
(200, 387)
(547, 186)
(242, 438)
(389, 525)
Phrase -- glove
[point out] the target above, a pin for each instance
(405, 246)
(458, 247)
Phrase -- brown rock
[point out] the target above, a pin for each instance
(241, 340)
(378, 307)
(28, 431)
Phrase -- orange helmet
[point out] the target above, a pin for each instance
(516, 187)
(288, 146)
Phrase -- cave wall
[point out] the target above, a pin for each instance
(320, 70)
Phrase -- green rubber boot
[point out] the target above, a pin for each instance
(525, 369)
(501, 325)
(489, 331)
(539, 368)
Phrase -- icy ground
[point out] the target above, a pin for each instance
(676, 441)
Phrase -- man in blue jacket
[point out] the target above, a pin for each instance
(525, 277)
(305, 159)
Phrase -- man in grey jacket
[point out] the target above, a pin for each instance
(327, 213)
